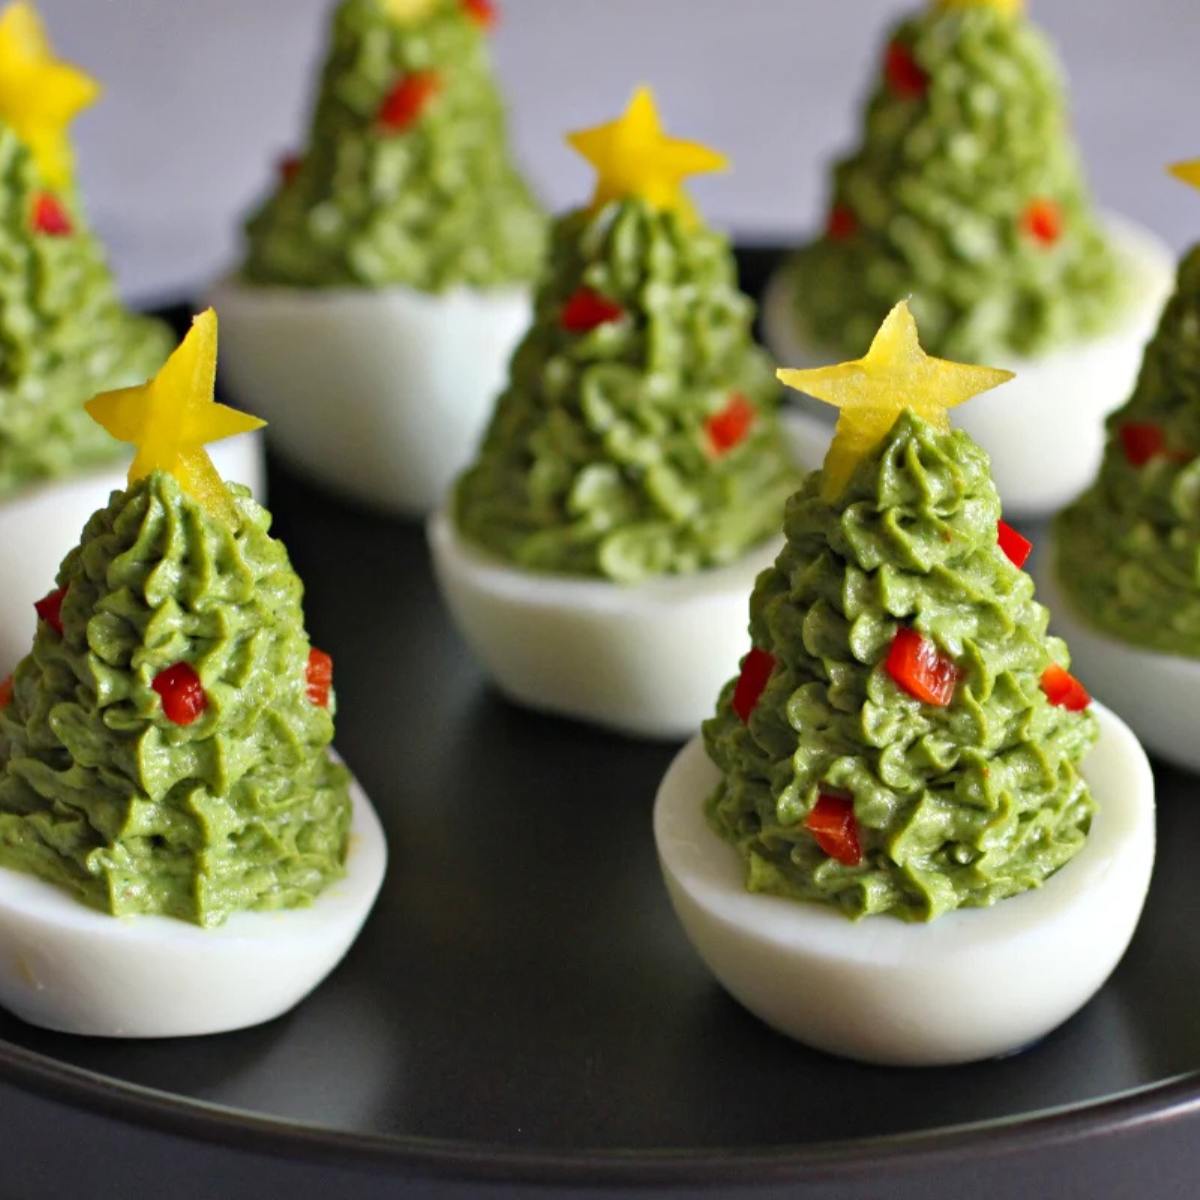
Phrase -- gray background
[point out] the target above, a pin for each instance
(203, 95)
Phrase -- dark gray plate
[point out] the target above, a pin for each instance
(522, 1005)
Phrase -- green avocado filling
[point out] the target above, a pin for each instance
(645, 444)
(966, 194)
(1129, 547)
(417, 189)
(103, 794)
(955, 805)
(64, 335)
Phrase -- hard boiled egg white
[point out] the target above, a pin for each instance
(67, 967)
(40, 524)
(971, 984)
(1156, 693)
(1044, 430)
(380, 394)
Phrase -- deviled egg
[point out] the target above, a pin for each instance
(631, 482)
(387, 278)
(965, 195)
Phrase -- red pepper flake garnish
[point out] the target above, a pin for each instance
(1141, 441)
(728, 427)
(586, 309)
(289, 167)
(904, 76)
(6, 692)
(482, 12)
(1015, 547)
(921, 669)
(1043, 221)
(182, 693)
(1063, 689)
(756, 670)
(49, 609)
(404, 104)
(319, 676)
(50, 217)
(842, 223)
(831, 821)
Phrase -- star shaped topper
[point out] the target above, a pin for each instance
(407, 11)
(1009, 8)
(170, 418)
(873, 391)
(39, 95)
(633, 156)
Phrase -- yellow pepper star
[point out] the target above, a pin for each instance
(1189, 172)
(872, 392)
(1008, 8)
(39, 95)
(634, 157)
(170, 418)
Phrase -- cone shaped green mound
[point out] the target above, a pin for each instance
(64, 334)
(407, 178)
(638, 434)
(958, 799)
(104, 793)
(1128, 548)
(966, 194)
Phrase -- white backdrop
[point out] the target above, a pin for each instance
(203, 95)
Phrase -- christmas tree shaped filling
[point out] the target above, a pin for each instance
(64, 334)
(966, 194)
(903, 737)
(637, 435)
(163, 747)
(1129, 547)
(407, 178)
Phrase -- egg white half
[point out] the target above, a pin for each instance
(40, 524)
(68, 967)
(379, 394)
(1157, 693)
(646, 659)
(1044, 430)
(972, 984)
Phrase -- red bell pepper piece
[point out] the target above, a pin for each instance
(289, 167)
(728, 427)
(1043, 221)
(1063, 689)
(182, 693)
(756, 670)
(405, 103)
(905, 77)
(585, 310)
(49, 609)
(319, 677)
(50, 217)
(1141, 441)
(482, 12)
(831, 821)
(1015, 546)
(921, 669)
(842, 223)
(6, 692)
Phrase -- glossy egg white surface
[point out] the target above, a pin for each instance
(68, 967)
(1158, 694)
(645, 659)
(40, 524)
(379, 394)
(971, 984)
(1044, 430)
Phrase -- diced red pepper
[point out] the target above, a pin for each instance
(585, 310)
(905, 77)
(289, 167)
(49, 609)
(1043, 221)
(1141, 441)
(6, 692)
(921, 669)
(182, 693)
(1015, 546)
(756, 670)
(842, 223)
(482, 12)
(831, 821)
(319, 676)
(728, 427)
(1063, 689)
(50, 217)
(405, 103)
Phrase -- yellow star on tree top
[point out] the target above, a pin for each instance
(1009, 8)
(634, 157)
(170, 418)
(1189, 172)
(406, 11)
(872, 392)
(39, 95)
